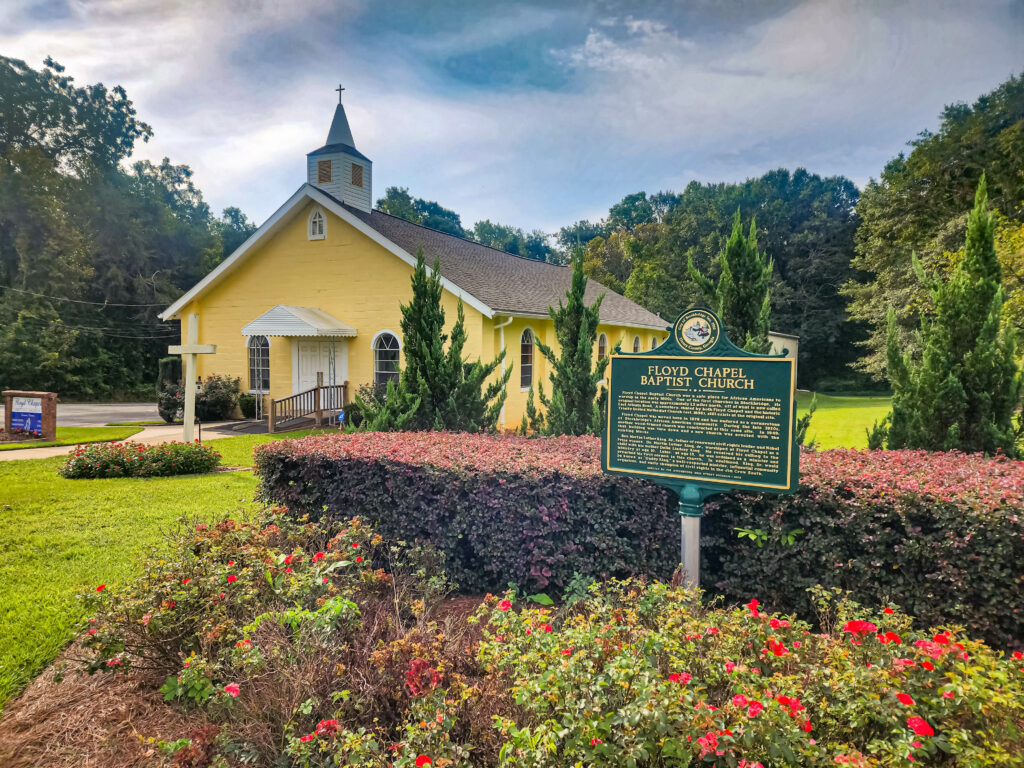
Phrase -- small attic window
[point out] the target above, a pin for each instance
(357, 175)
(323, 172)
(317, 225)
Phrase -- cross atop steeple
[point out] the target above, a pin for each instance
(339, 89)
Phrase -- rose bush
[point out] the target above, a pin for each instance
(940, 534)
(644, 675)
(139, 460)
(318, 657)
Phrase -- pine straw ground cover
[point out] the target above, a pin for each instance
(287, 643)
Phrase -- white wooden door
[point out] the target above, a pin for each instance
(314, 356)
(309, 364)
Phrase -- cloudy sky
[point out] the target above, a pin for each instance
(529, 113)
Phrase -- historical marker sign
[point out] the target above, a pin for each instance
(701, 416)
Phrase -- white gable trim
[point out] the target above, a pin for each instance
(281, 216)
(270, 225)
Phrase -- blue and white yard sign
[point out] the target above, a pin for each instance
(27, 414)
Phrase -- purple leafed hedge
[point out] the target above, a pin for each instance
(939, 534)
(501, 508)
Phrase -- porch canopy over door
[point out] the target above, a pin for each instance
(286, 320)
(319, 342)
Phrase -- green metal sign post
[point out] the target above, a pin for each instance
(701, 416)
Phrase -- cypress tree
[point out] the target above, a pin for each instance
(571, 408)
(436, 388)
(742, 295)
(963, 392)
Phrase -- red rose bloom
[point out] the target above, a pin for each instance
(906, 699)
(422, 760)
(101, 587)
(858, 627)
(232, 578)
(919, 726)
(504, 605)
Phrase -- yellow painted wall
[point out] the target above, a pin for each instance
(353, 278)
(346, 275)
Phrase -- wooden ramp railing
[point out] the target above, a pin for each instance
(313, 402)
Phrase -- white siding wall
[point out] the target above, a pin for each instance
(341, 178)
(779, 343)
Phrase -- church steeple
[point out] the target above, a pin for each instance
(338, 167)
(340, 133)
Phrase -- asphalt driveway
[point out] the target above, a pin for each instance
(98, 414)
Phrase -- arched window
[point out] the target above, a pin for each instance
(602, 347)
(526, 359)
(317, 225)
(385, 358)
(654, 341)
(636, 343)
(259, 364)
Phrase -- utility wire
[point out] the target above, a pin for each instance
(114, 333)
(77, 301)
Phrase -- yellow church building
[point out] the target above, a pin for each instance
(316, 291)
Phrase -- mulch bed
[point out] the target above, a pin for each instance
(89, 721)
(111, 721)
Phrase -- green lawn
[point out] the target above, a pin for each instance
(840, 422)
(76, 435)
(57, 536)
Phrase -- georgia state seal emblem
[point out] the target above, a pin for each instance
(697, 330)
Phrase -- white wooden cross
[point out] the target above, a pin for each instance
(189, 352)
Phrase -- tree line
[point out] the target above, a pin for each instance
(841, 258)
(91, 249)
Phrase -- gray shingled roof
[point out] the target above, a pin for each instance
(504, 282)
